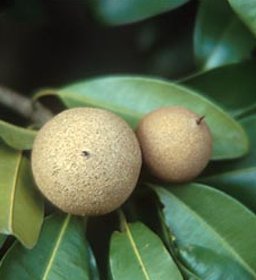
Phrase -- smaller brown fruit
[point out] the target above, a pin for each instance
(176, 143)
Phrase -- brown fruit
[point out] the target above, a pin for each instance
(176, 143)
(86, 161)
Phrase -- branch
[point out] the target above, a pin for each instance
(22, 105)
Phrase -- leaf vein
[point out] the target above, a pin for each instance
(13, 192)
(136, 251)
(55, 250)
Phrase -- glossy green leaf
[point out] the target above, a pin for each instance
(17, 137)
(220, 37)
(246, 162)
(61, 253)
(246, 10)
(133, 97)
(21, 205)
(240, 184)
(138, 253)
(202, 216)
(121, 12)
(249, 160)
(237, 177)
(232, 86)
(209, 265)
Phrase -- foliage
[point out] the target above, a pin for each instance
(200, 230)
(221, 43)
(127, 11)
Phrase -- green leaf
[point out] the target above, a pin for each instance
(246, 10)
(249, 160)
(61, 253)
(138, 253)
(220, 37)
(246, 162)
(133, 97)
(202, 216)
(208, 264)
(21, 205)
(17, 137)
(122, 12)
(237, 177)
(232, 86)
(240, 184)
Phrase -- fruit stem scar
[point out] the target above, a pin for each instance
(86, 154)
(199, 120)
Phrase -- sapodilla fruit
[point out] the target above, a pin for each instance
(176, 143)
(86, 161)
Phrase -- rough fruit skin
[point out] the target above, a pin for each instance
(86, 161)
(176, 145)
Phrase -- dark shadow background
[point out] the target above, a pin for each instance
(55, 42)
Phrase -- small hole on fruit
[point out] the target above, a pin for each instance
(86, 154)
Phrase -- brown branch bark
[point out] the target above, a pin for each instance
(35, 112)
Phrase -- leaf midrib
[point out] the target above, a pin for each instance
(13, 192)
(216, 234)
(56, 247)
(136, 251)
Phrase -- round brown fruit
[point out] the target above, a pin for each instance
(176, 143)
(86, 161)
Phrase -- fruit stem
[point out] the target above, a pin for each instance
(199, 120)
